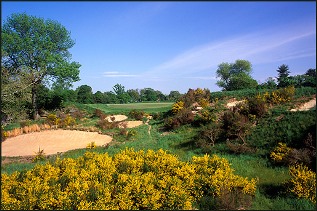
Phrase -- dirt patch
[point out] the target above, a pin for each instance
(130, 124)
(117, 118)
(234, 103)
(51, 141)
(306, 106)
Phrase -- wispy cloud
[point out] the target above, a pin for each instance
(267, 46)
(116, 74)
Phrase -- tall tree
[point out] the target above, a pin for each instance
(84, 94)
(37, 49)
(283, 73)
(122, 95)
(235, 76)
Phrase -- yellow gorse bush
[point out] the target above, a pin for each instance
(303, 182)
(280, 152)
(128, 180)
(178, 106)
(281, 95)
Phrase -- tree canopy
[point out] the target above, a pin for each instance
(38, 50)
(235, 76)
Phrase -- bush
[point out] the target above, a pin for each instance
(303, 182)
(99, 113)
(236, 125)
(208, 136)
(177, 107)
(135, 114)
(105, 124)
(128, 180)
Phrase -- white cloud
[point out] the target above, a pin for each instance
(115, 74)
(267, 46)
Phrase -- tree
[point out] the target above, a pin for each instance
(84, 94)
(99, 97)
(174, 95)
(268, 84)
(235, 76)
(38, 50)
(148, 94)
(122, 96)
(134, 95)
(311, 72)
(14, 96)
(283, 73)
(310, 78)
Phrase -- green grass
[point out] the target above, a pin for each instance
(126, 108)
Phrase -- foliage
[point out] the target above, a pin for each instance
(105, 124)
(91, 145)
(4, 134)
(280, 152)
(235, 76)
(303, 182)
(207, 136)
(236, 125)
(39, 156)
(287, 127)
(84, 94)
(183, 117)
(283, 73)
(178, 106)
(99, 113)
(37, 49)
(128, 180)
(136, 114)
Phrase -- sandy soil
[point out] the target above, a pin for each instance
(130, 124)
(234, 103)
(118, 118)
(52, 141)
(306, 106)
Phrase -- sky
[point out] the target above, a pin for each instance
(171, 46)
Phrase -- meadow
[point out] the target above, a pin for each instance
(270, 193)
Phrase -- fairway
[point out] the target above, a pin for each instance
(119, 108)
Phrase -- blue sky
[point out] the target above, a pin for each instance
(179, 45)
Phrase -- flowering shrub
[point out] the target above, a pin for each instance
(91, 145)
(279, 96)
(303, 182)
(4, 134)
(178, 106)
(128, 180)
(280, 152)
(52, 119)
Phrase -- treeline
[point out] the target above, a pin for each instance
(49, 99)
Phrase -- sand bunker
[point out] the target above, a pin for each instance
(117, 118)
(51, 141)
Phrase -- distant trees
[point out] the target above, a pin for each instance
(37, 50)
(284, 80)
(235, 76)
